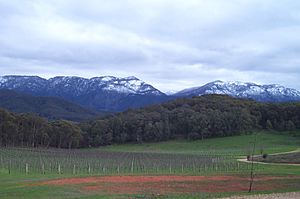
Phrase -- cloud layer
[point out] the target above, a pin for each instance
(172, 44)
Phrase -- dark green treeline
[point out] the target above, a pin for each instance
(193, 118)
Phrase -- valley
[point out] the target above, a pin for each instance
(149, 99)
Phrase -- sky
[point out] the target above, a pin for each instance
(171, 44)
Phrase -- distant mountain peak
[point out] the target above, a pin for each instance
(131, 78)
(270, 93)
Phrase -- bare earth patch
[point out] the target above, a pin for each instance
(168, 184)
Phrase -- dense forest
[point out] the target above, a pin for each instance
(193, 118)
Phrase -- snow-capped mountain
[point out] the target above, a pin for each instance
(265, 93)
(110, 93)
(106, 93)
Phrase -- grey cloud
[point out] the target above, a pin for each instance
(170, 43)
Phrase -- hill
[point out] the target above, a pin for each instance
(195, 118)
(192, 118)
(49, 107)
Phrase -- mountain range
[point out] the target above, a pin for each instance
(112, 94)
(105, 93)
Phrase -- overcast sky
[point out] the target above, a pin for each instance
(171, 44)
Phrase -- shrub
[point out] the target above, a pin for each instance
(265, 156)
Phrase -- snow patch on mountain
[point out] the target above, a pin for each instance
(131, 85)
(2, 80)
(107, 79)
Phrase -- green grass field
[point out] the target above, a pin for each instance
(16, 184)
(235, 145)
(292, 158)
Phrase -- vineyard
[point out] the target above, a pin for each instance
(172, 169)
(95, 162)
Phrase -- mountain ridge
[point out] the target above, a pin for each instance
(115, 94)
(105, 93)
(264, 93)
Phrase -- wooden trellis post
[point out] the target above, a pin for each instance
(43, 169)
(59, 169)
(132, 165)
(9, 167)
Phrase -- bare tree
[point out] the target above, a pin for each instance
(252, 164)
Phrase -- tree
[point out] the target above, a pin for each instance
(102, 133)
(290, 126)
(66, 134)
(269, 125)
(31, 126)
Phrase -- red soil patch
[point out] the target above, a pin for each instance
(167, 184)
(175, 187)
(139, 179)
(145, 179)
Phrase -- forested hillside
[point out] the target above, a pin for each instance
(195, 118)
(52, 108)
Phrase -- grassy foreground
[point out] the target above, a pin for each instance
(236, 145)
(16, 185)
